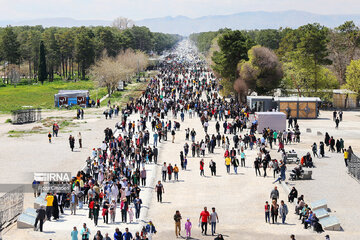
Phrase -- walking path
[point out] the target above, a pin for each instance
(238, 199)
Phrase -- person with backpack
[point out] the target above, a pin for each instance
(235, 163)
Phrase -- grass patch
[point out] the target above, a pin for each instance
(8, 120)
(42, 96)
(22, 133)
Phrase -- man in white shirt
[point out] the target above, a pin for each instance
(213, 219)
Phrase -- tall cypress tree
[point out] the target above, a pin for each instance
(42, 74)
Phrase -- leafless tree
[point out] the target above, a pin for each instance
(122, 23)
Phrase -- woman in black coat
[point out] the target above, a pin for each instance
(55, 212)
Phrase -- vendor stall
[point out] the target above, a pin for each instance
(72, 97)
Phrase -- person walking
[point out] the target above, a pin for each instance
(204, 218)
(49, 136)
(173, 135)
(242, 156)
(274, 195)
(235, 163)
(72, 143)
(337, 121)
(85, 232)
(80, 139)
(73, 202)
(74, 234)
(283, 210)
(170, 170)
(214, 218)
(143, 177)
(346, 157)
(202, 167)
(159, 189)
(49, 205)
(314, 149)
(164, 171)
(150, 230)
(188, 226)
(274, 211)
(137, 205)
(177, 219)
(227, 164)
(267, 212)
(176, 173)
(96, 211)
(212, 166)
(40, 217)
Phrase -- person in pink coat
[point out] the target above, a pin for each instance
(188, 228)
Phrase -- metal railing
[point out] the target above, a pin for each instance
(11, 206)
(354, 166)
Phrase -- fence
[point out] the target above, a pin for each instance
(26, 116)
(354, 166)
(11, 205)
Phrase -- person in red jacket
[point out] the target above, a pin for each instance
(202, 167)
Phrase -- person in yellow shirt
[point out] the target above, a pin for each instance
(49, 205)
(227, 164)
(346, 157)
(176, 173)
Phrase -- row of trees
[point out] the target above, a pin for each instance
(309, 58)
(70, 50)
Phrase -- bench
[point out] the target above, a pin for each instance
(306, 175)
(330, 223)
(292, 157)
(319, 204)
(321, 213)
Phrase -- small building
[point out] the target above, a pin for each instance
(273, 120)
(261, 103)
(345, 99)
(71, 98)
(299, 107)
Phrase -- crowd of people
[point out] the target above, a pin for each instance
(115, 173)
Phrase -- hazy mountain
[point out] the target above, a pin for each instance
(185, 25)
(245, 20)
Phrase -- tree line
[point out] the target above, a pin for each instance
(308, 59)
(73, 50)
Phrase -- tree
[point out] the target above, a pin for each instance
(108, 71)
(343, 48)
(42, 73)
(353, 76)
(298, 77)
(53, 57)
(10, 46)
(122, 23)
(84, 50)
(262, 73)
(234, 47)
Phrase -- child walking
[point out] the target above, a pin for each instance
(131, 214)
(188, 228)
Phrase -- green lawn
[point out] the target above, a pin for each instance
(41, 96)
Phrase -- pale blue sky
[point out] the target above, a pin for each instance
(139, 9)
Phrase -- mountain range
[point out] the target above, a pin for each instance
(185, 25)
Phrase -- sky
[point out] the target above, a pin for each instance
(139, 9)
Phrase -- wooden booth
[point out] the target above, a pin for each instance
(299, 107)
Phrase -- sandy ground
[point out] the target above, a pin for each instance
(239, 199)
